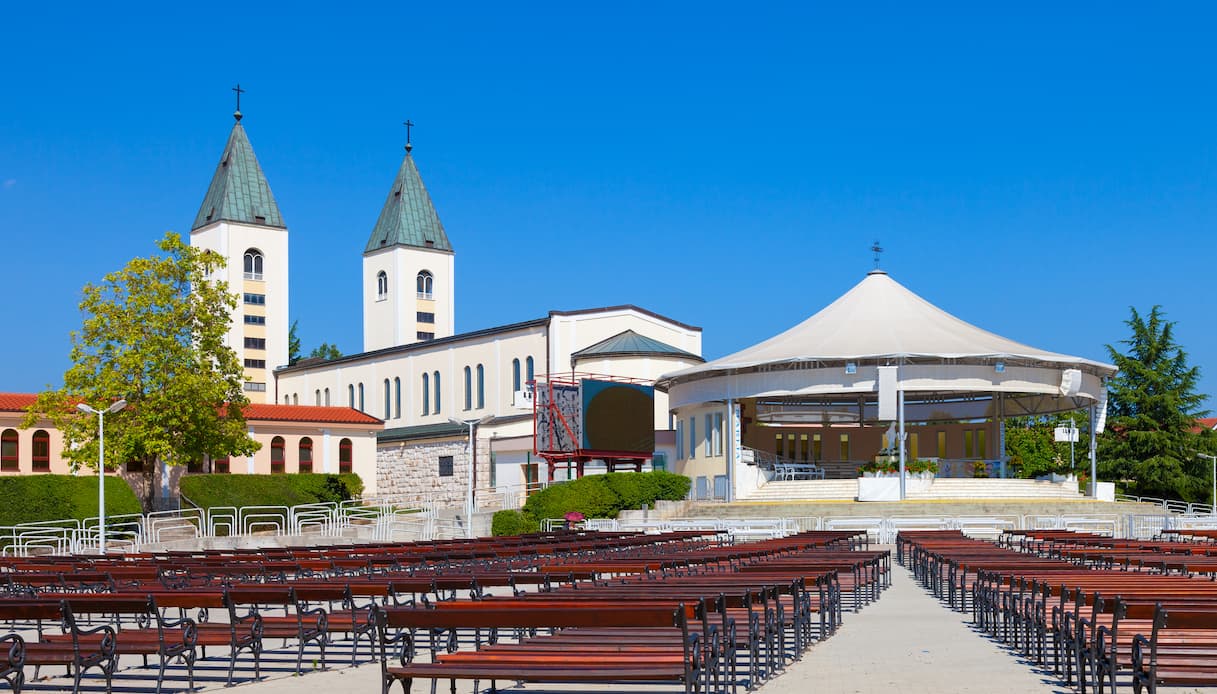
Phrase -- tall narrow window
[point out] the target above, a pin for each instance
(468, 388)
(437, 391)
(327, 397)
(426, 394)
(295, 398)
(276, 455)
(253, 264)
(817, 447)
(968, 451)
(709, 449)
(718, 434)
(351, 396)
(942, 445)
(528, 370)
(8, 450)
(362, 408)
(844, 446)
(692, 437)
(317, 397)
(481, 386)
(344, 455)
(425, 284)
(306, 454)
(680, 439)
(382, 286)
(779, 445)
(388, 402)
(397, 397)
(913, 451)
(981, 451)
(515, 375)
(804, 449)
(42, 451)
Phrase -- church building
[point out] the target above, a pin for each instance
(430, 385)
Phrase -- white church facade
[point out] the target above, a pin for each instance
(424, 380)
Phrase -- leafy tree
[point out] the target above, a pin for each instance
(154, 334)
(326, 351)
(1153, 405)
(293, 344)
(1033, 451)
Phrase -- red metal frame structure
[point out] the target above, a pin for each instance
(549, 450)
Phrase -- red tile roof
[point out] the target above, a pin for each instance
(1207, 422)
(308, 413)
(16, 402)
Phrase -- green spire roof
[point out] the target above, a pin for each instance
(630, 343)
(238, 191)
(408, 217)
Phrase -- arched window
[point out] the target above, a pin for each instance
(287, 399)
(515, 375)
(344, 455)
(327, 397)
(397, 397)
(317, 397)
(388, 402)
(481, 386)
(253, 264)
(42, 451)
(528, 370)
(468, 388)
(351, 396)
(437, 391)
(425, 284)
(295, 398)
(276, 455)
(8, 450)
(382, 286)
(361, 405)
(306, 454)
(426, 394)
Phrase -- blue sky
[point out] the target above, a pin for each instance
(1034, 169)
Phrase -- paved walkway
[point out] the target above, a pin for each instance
(909, 642)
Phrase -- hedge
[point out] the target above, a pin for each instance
(28, 498)
(209, 491)
(595, 496)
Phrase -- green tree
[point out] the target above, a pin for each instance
(293, 344)
(325, 351)
(1149, 444)
(154, 334)
(1033, 451)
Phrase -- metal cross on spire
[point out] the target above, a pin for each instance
(876, 249)
(237, 114)
(409, 124)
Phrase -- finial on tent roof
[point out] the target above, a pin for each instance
(876, 249)
(409, 124)
(237, 114)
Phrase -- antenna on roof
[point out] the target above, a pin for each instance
(876, 249)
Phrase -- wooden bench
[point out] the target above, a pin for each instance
(676, 654)
(80, 649)
(1180, 651)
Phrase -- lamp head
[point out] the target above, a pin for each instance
(116, 406)
(85, 408)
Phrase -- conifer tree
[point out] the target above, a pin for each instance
(1150, 444)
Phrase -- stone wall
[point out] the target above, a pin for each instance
(409, 471)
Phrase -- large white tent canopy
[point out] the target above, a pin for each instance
(946, 367)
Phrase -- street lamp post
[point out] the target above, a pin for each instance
(470, 450)
(1213, 501)
(101, 467)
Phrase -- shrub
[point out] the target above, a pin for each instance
(511, 523)
(28, 498)
(603, 496)
(208, 491)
